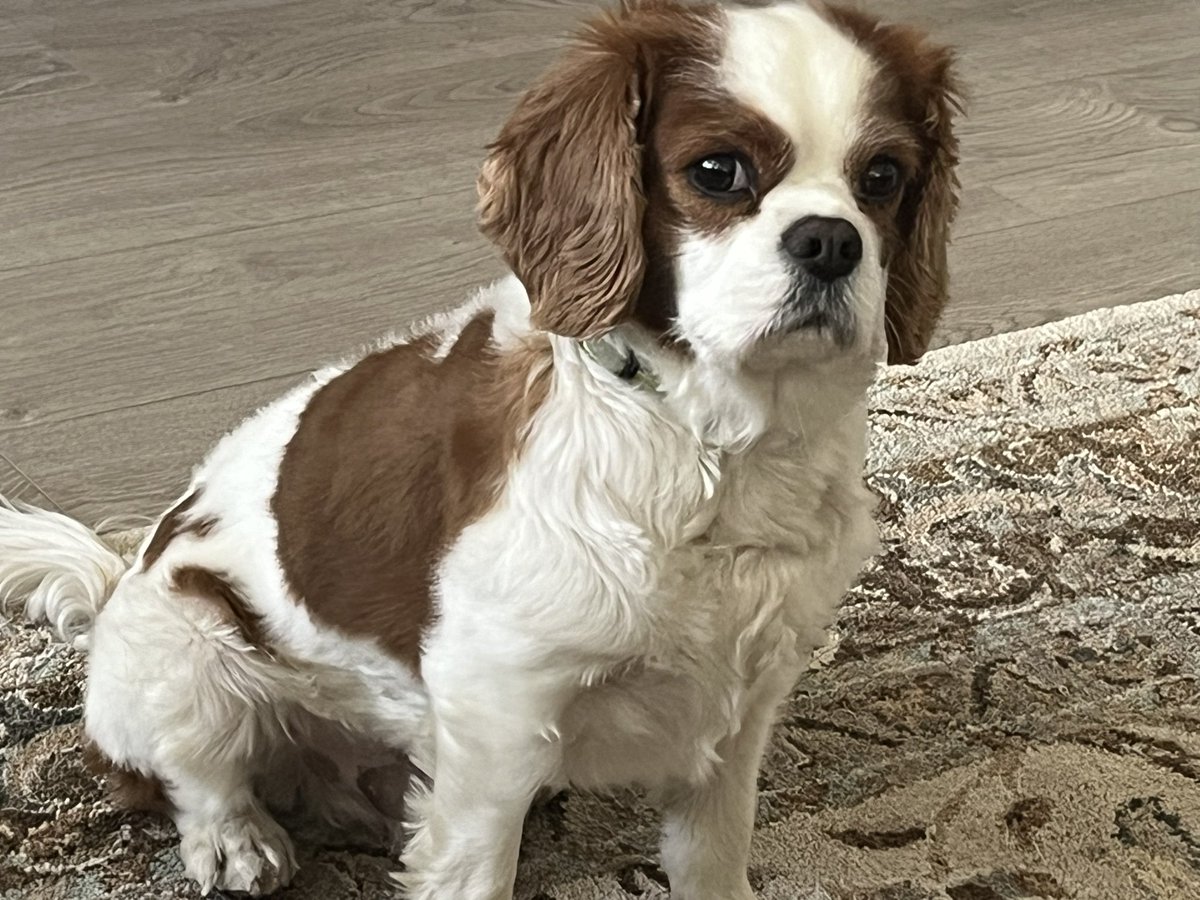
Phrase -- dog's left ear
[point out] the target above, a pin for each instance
(561, 191)
(922, 82)
(918, 276)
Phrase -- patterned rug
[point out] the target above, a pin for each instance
(1008, 706)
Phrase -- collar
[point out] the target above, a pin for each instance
(616, 356)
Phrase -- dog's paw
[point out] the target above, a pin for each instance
(249, 854)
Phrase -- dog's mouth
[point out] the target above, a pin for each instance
(819, 308)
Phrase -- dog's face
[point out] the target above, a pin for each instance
(755, 184)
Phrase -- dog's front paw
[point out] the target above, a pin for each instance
(715, 889)
(250, 854)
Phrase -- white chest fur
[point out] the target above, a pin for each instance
(669, 584)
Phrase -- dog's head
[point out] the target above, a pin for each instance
(749, 182)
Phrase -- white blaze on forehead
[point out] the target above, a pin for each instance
(804, 74)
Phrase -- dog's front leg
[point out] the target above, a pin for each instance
(495, 746)
(708, 826)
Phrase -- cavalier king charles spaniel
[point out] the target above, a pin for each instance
(584, 530)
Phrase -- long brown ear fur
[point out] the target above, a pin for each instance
(561, 192)
(918, 277)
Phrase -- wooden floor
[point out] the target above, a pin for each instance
(202, 199)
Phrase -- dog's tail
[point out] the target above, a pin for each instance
(60, 570)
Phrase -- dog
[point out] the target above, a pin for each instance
(584, 530)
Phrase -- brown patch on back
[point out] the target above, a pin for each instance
(127, 788)
(389, 462)
(206, 585)
(915, 99)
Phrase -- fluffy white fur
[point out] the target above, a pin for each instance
(646, 590)
(60, 568)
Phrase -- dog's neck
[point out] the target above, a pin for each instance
(734, 409)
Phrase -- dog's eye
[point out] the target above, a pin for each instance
(880, 179)
(722, 176)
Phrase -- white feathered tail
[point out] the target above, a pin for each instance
(59, 569)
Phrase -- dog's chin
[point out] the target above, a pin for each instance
(818, 308)
(803, 347)
(815, 322)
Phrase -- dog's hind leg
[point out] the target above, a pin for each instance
(179, 691)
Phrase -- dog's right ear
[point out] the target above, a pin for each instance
(561, 191)
(918, 276)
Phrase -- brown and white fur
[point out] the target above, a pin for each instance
(481, 549)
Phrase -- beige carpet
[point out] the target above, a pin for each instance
(1008, 706)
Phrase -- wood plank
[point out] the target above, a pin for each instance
(983, 209)
(132, 461)
(1032, 274)
(177, 50)
(262, 157)
(1005, 45)
(1091, 142)
(203, 117)
(100, 333)
(28, 69)
(16, 485)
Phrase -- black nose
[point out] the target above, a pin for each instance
(827, 248)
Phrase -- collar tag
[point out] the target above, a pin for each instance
(617, 357)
